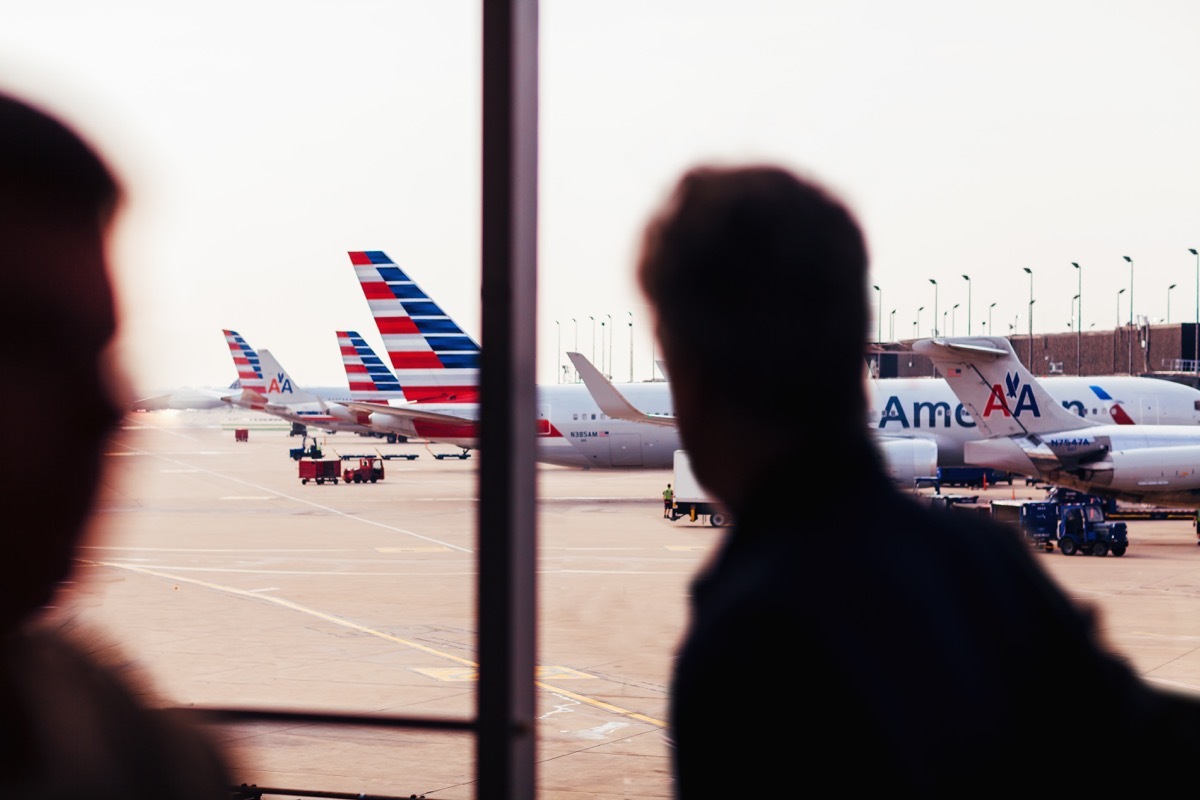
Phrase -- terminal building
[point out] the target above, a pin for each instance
(1170, 351)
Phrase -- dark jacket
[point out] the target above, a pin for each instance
(873, 642)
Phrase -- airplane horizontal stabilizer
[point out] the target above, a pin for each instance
(1002, 396)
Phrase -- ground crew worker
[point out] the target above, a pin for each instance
(668, 501)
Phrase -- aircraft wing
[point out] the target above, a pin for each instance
(412, 411)
(609, 399)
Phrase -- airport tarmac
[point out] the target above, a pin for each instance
(231, 584)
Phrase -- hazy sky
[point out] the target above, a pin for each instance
(261, 140)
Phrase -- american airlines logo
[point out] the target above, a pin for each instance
(997, 401)
(279, 385)
(922, 414)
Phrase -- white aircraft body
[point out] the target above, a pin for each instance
(1025, 430)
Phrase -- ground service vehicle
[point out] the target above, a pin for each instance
(1083, 529)
(1078, 527)
(306, 450)
(974, 477)
(691, 500)
(369, 470)
(321, 470)
(1039, 523)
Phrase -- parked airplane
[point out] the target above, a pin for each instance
(1026, 431)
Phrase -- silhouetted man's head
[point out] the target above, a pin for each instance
(57, 199)
(758, 281)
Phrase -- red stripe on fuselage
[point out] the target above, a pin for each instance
(440, 430)
(1119, 416)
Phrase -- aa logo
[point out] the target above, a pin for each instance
(279, 385)
(1022, 398)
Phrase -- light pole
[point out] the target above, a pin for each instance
(879, 315)
(558, 350)
(919, 310)
(593, 319)
(1078, 319)
(1196, 348)
(967, 278)
(953, 314)
(610, 342)
(576, 348)
(630, 313)
(1169, 288)
(892, 326)
(603, 369)
(1119, 293)
(990, 328)
(1130, 260)
(1030, 273)
(935, 319)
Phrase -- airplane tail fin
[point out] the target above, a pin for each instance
(245, 361)
(1002, 396)
(249, 371)
(370, 379)
(279, 387)
(432, 356)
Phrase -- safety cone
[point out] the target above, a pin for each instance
(1014, 494)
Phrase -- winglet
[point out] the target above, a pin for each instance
(609, 399)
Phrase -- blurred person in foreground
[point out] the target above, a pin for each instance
(872, 642)
(73, 723)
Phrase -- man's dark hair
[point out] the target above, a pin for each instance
(44, 165)
(759, 279)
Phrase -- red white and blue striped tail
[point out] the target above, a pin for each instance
(249, 370)
(370, 379)
(433, 358)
